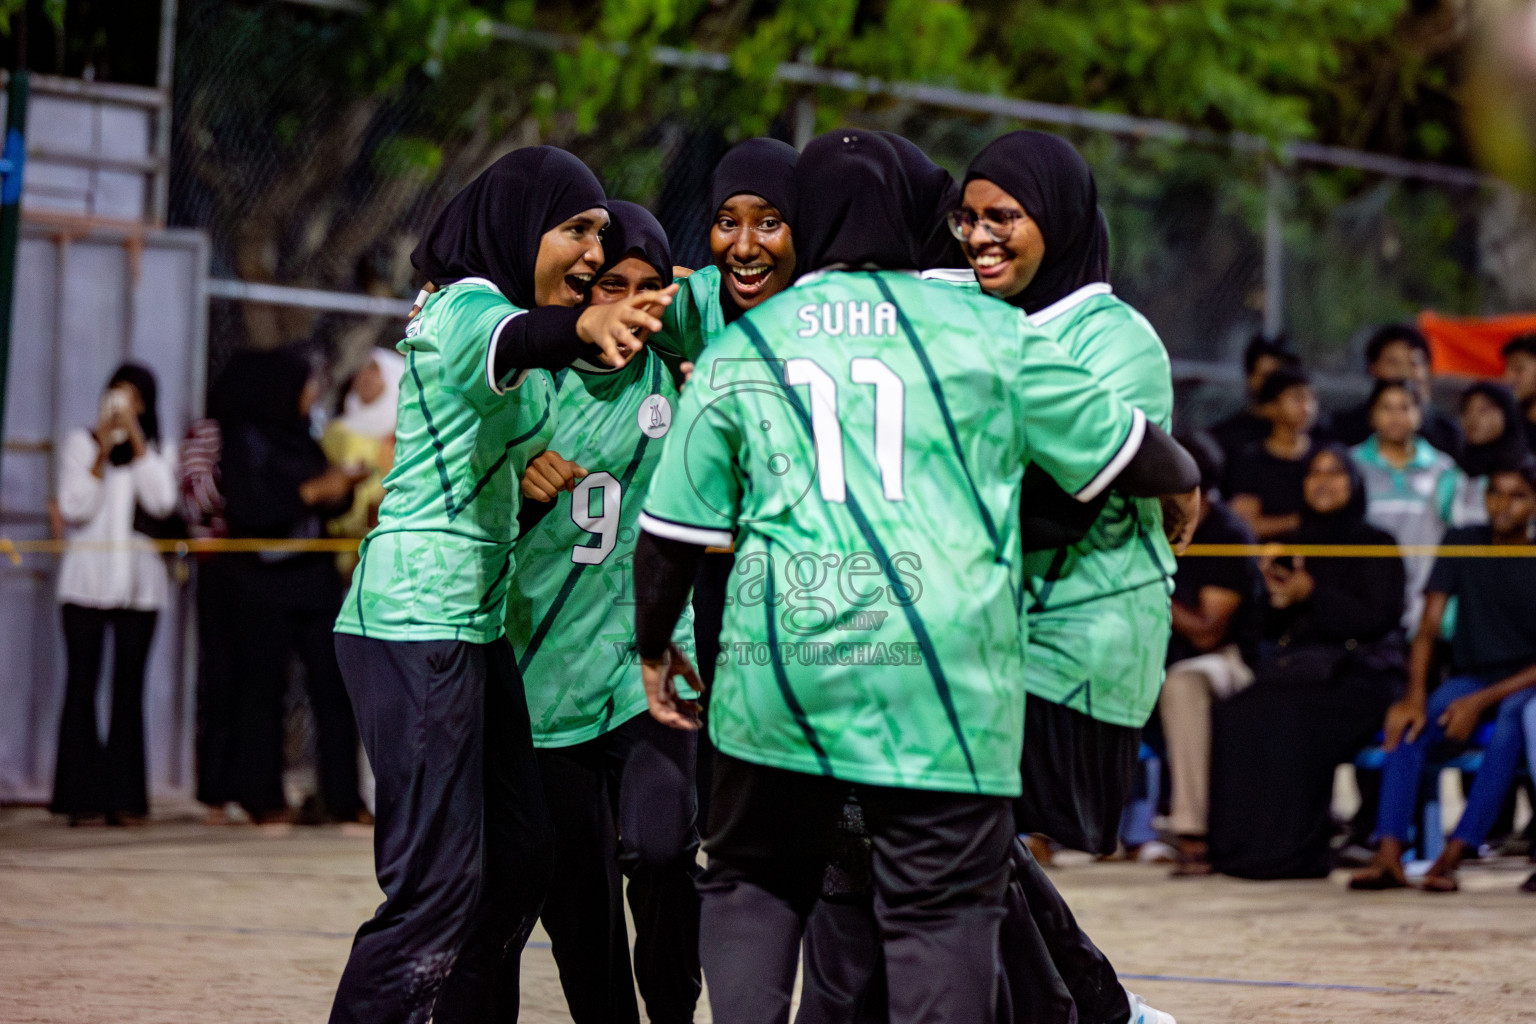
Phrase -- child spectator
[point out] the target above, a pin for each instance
(1332, 663)
(1215, 639)
(1398, 352)
(1249, 425)
(1520, 376)
(1410, 486)
(1491, 420)
(364, 434)
(1265, 480)
(1493, 657)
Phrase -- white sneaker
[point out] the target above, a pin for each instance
(1141, 1013)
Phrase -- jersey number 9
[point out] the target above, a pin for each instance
(604, 523)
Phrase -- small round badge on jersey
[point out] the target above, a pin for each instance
(655, 415)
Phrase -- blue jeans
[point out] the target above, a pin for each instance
(1400, 775)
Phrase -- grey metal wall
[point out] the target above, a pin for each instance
(87, 298)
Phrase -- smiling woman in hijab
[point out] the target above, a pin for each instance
(110, 477)
(1098, 612)
(751, 197)
(619, 784)
(1491, 421)
(1333, 662)
(462, 839)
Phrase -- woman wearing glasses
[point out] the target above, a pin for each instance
(1098, 581)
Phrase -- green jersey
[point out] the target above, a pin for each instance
(862, 437)
(695, 316)
(1098, 610)
(436, 566)
(571, 607)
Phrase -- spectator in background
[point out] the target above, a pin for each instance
(1265, 480)
(364, 434)
(1520, 376)
(1331, 664)
(1398, 352)
(1249, 425)
(1491, 421)
(1215, 639)
(277, 484)
(113, 479)
(1493, 658)
(1410, 486)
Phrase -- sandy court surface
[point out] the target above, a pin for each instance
(181, 923)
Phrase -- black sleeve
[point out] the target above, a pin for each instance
(531, 513)
(1051, 518)
(1160, 466)
(664, 573)
(1444, 576)
(540, 339)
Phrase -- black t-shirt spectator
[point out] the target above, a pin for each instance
(1439, 428)
(1236, 433)
(1495, 607)
(1237, 574)
(1276, 482)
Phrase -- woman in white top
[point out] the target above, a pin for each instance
(110, 479)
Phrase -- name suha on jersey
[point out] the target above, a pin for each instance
(854, 319)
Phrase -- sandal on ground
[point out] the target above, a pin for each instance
(1529, 885)
(1194, 859)
(1439, 883)
(1377, 879)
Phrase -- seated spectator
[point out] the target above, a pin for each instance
(115, 480)
(1215, 638)
(277, 484)
(1249, 425)
(1520, 376)
(1265, 481)
(1398, 352)
(1332, 663)
(1491, 422)
(1410, 486)
(1493, 661)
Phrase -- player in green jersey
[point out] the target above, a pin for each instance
(462, 838)
(614, 778)
(753, 254)
(861, 437)
(1096, 604)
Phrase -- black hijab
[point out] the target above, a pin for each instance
(1051, 180)
(1507, 450)
(855, 205)
(935, 194)
(492, 228)
(1343, 525)
(149, 420)
(634, 231)
(760, 167)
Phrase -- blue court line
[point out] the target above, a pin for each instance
(207, 929)
(1314, 986)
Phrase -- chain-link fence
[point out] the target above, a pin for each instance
(302, 177)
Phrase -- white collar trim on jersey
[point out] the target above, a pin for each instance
(807, 278)
(950, 275)
(1077, 298)
(476, 280)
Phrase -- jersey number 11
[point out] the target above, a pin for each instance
(827, 429)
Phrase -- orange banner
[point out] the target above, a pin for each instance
(1470, 346)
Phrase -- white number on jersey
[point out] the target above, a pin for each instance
(605, 524)
(827, 430)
